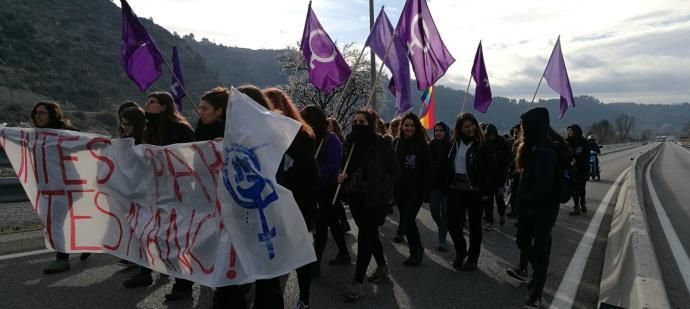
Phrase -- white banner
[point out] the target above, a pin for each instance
(169, 208)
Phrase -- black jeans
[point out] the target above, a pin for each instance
(408, 220)
(304, 276)
(489, 206)
(580, 190)
(463, 205)
(534, 240)
(268, 295)
(368, 242)
(62, 256)
(328, 217)
(401, 224)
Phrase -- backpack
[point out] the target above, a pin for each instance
(566, 173)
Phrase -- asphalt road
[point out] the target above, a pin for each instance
(670, 174)
(97, 282)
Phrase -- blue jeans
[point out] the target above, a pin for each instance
(439, 211)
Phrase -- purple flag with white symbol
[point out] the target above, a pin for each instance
(139, 55)
(429, 56)
(396, 62)
(482, 92)
(556, 76)
(177, 84)
(327, 67)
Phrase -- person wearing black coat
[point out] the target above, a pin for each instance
(371, 173)
(470, 170)
(438, 201)
(538, 162)
(502, 155)
(413, 157)
(579, 148)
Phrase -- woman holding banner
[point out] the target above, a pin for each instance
(369, 173)
(164, 126)
(49, 115)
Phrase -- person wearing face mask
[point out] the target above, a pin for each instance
(165, 126)
(438, 151)
(372, 171)
(413, 159)
(470, 170)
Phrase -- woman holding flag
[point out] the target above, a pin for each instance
(370, 171)
(413, 158)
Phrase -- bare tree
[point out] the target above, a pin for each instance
(624, 125)
(341, 104)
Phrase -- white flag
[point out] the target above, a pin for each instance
(265, 224)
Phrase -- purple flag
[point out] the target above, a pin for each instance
(139, 55)
(177, 84)
(429, 56)
(327, 67)
(482, 93)
(556, 76)
(396, 62)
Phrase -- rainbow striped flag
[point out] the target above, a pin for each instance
(427, 114)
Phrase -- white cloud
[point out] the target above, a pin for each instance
(616, 50)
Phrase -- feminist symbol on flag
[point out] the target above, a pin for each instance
(249, 188)
(321, 43)
(415, 42)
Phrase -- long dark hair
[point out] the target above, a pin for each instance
(316, 118)
(419, 133)
(282, 102)
(137, 119)
(218, 98)
(457, 131)
(536, 130)
(120, 109)
(255, 94)
(334, 126)
(156, 135)
(55, 115)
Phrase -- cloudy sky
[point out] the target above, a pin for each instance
(615, 50)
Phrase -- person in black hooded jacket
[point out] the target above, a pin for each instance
(470, 168)
(413, 158)
(579, 148)
(502, 154)
(438, 202)
(539, 167)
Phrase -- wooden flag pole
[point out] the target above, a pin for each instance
(466, 91)
(181, 86)
(378, 74)
(347, 163)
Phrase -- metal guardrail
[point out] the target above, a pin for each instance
(631, 277)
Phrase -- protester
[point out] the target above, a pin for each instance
(268, 292)
(328, 156)
(502, 155)
(299, 173)
(438, 152)
(513, 175)
(394, 132)
(132, 124)
(470, 172)
(539, 165)
(334, 126)
(580, 150)
(120, 109)
(413, 158)
(595, 150)
(164, 126)
(49, 115)
(212, 108)
(372, 171)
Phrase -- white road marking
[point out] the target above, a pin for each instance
(674, 243)
(23, 254)
(565, 295)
